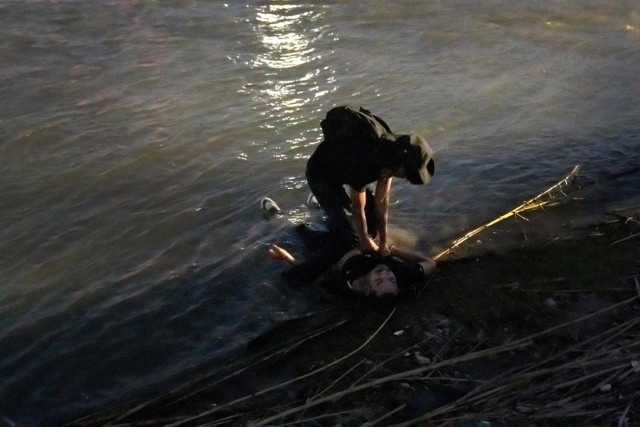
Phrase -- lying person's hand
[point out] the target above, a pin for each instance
(276, 252)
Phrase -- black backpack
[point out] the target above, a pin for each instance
(349, 123)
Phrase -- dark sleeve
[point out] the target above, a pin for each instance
(359, 265)
(405, 272)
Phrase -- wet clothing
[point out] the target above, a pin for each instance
(354, 152)
(321, 250)
(361, 264)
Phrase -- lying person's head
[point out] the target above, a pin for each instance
(370, 275)
(381, 281)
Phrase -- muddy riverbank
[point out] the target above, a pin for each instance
(541, 333)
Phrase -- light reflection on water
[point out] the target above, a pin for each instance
(138, 138)
(278, 29)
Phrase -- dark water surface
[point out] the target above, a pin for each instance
(138, 136)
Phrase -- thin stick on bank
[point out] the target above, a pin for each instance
(534, 203)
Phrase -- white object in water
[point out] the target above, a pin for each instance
(270, 206)
(312, 202)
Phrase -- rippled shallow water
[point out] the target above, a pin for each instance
(137, 138)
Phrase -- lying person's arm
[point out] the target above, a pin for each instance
(338, 265)
(427, 264)
(277, 252)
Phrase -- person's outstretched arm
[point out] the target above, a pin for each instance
(427, 263)
(338, 265)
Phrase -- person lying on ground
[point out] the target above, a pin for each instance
(370, 273)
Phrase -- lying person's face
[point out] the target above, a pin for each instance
(382, 281)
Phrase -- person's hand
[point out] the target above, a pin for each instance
(384, 249)
(368, 245)
(276, 252)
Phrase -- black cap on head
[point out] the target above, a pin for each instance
(417, 157)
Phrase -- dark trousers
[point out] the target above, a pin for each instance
(325, 248)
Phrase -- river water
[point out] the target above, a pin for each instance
(137, 138)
